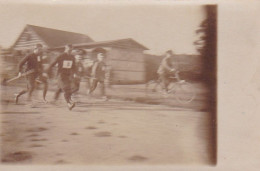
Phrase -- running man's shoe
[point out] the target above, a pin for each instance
(16, 98)
(45, 101)
(54, 102)
(165, 93)
(71, 106)
(74, 98)
(104, 98)
(33, 104)
(88, 92)
(182, 81)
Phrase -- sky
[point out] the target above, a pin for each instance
(158, 27)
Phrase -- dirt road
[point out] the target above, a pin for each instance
(104, 132)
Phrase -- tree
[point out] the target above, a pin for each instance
(206, 45)
(202, 32)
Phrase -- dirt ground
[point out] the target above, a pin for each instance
(95, 132)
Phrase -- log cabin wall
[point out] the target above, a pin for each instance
(27, 40)
(127, 65)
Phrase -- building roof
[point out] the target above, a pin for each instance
(128, 43)
(57, 39)
(54, 37)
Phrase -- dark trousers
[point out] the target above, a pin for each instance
(76, 84)
(94, 84)
(88, 83)
(164, 78)
(31, 80)
(64, 85)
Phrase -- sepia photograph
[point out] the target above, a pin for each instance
(108, 84)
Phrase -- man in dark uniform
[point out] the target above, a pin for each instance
(98, 74)
(66, 69)
(34, 69)
(88, 64)
(79, 71)
(166, 69)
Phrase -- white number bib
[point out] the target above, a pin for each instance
(67, 64)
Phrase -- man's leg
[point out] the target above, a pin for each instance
(67, 96)
(57, 94)
(102, 88)
(19, 94)
(165, 82)
(88, 83)
(30, 79)
(44, 80)
(76, 82)
(93, 85)
(31, 85)
(65, 84)
(60, 88)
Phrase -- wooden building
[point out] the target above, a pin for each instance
(49, 38)
(124, 57)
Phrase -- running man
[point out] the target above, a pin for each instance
(98, 75)
(66, 70)
(34, 68)
(166, 69)
(79, 71)
(88, 64)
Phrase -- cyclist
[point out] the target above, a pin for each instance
(166, 69)
(98, 75)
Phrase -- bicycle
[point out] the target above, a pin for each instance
(182, 90)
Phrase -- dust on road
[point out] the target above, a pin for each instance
(104, 132)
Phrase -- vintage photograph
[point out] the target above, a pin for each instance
(108, 84)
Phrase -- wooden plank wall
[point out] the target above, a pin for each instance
(128, 66)
(28, 40)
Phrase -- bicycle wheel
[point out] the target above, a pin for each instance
(184, 92)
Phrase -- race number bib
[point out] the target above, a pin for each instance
(67, 64)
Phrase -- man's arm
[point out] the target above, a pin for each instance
(22, 62)
(52, 64)
(165, 64)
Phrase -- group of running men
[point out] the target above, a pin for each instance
(70, 70)
(69, 73)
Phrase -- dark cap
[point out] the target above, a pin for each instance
(38, 45)
(99, 50)
(169, 52)
(82, 52)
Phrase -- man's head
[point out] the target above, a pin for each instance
(38, 49)
(100, 56)
(169, 53)
(82, 52)
(68, 49)
(78, 57)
